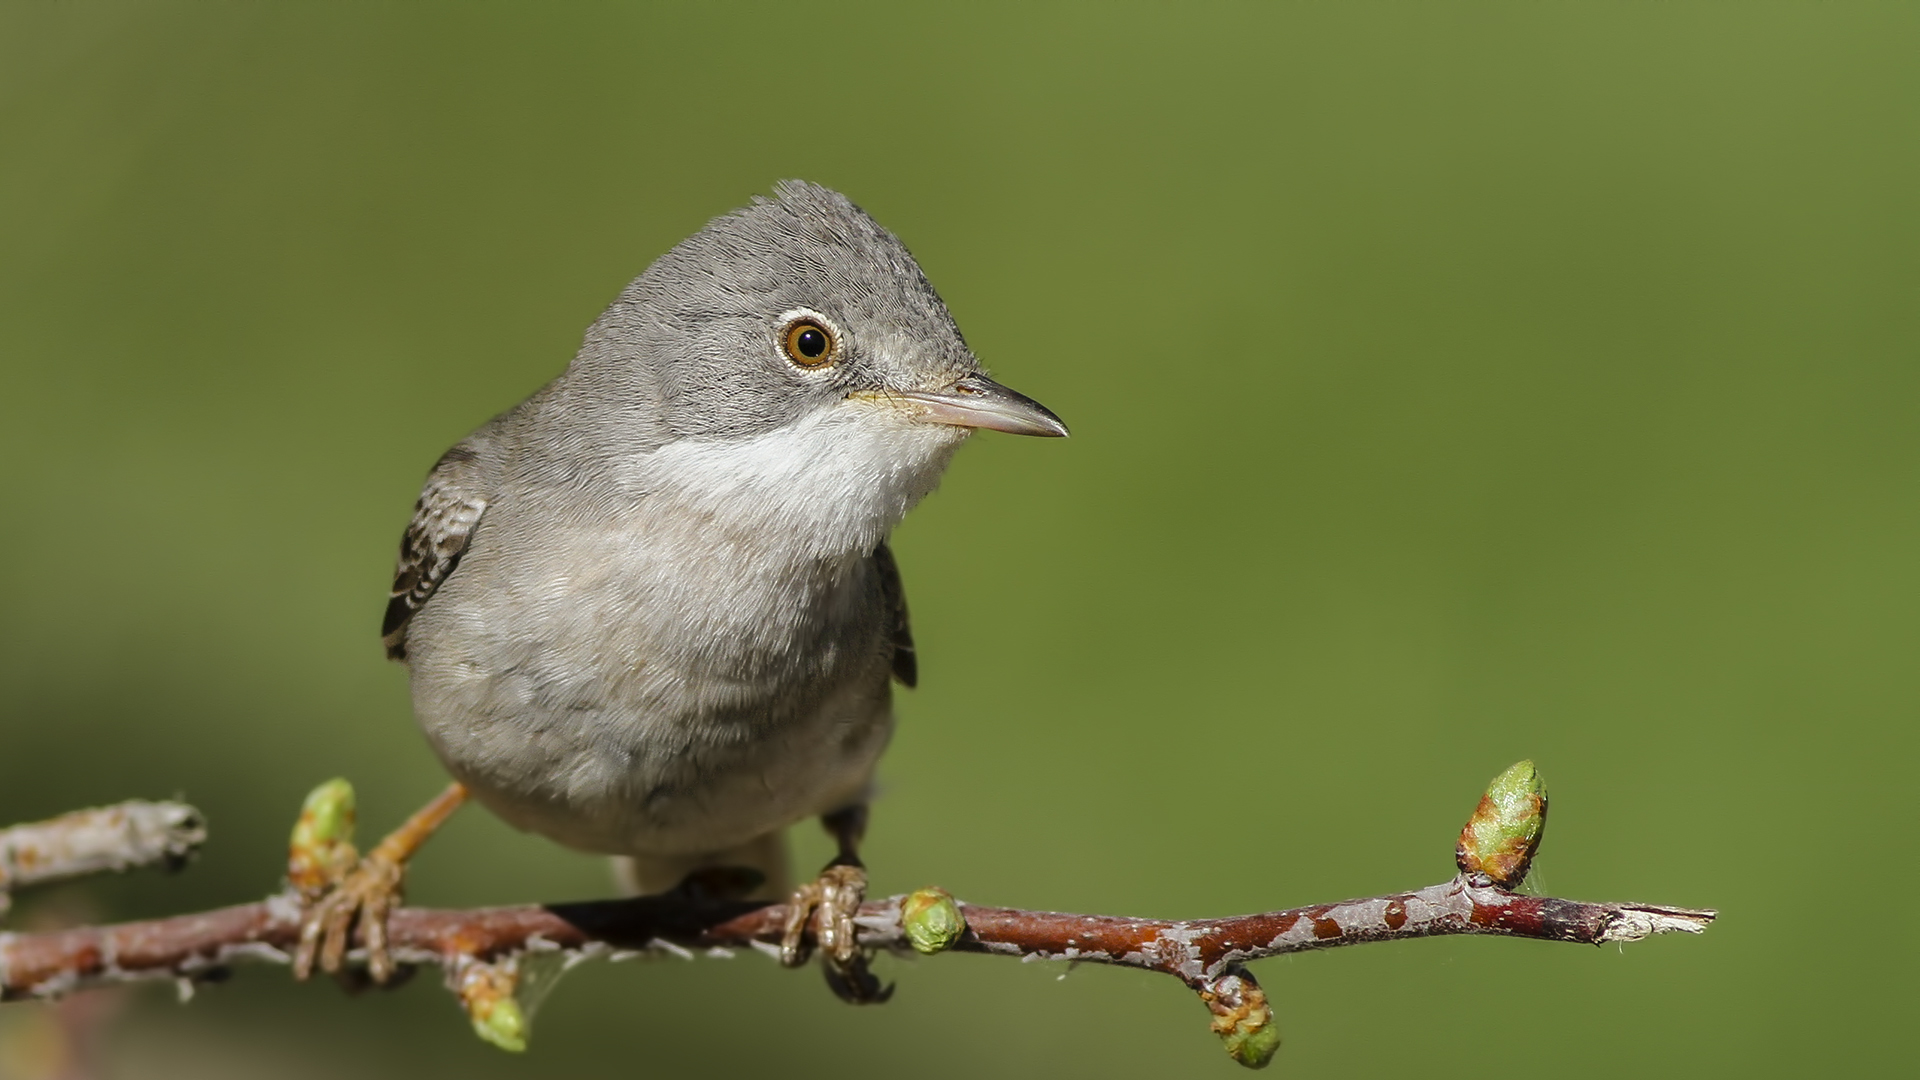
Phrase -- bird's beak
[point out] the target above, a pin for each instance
(976, 401)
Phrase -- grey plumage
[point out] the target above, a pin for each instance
(650, 611)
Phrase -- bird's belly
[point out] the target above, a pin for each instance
(589, 723)
(673, 796)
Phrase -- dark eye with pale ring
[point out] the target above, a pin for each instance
(808, 343)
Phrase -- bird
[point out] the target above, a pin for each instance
(650, 612)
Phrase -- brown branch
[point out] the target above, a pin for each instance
(203, 945)
(481, 949)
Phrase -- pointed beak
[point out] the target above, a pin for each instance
(978, 402)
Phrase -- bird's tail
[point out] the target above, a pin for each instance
(642, 875)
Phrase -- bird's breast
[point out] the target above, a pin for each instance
(628, 683)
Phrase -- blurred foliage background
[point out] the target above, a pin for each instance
(1450, 384)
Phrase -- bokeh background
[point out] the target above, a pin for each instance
(1450, 384)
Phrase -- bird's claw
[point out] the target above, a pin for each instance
(828, 904)
(363, 896)
(830, 901)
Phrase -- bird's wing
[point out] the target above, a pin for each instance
(443, 520)
(905, 668)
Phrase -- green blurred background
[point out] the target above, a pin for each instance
(1450, 384)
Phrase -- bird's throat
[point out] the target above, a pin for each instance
(825, 488)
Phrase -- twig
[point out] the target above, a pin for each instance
(481, 948)
(117, 837)
(195, 946)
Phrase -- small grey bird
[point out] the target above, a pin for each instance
(650, 611)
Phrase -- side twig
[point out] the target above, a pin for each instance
(106, 838)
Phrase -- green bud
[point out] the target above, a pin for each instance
(328, 814)
(502, 1024)
(490, 995)
(1252, 1046)
(1504, 832)
(1242, 1018)
(321, 847)
(931, 920)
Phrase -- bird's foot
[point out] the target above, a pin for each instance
(362, 897)
(340, 890)
(827, 905)
(828, 902)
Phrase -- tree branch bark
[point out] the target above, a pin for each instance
(203, 946)
(481, 949)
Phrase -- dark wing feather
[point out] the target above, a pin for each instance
(443, 521)
(905, 666)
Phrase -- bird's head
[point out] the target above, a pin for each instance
(797, 343)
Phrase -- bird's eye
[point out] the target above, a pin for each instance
(808, 343)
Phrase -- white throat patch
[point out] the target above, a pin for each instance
(831, 485)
